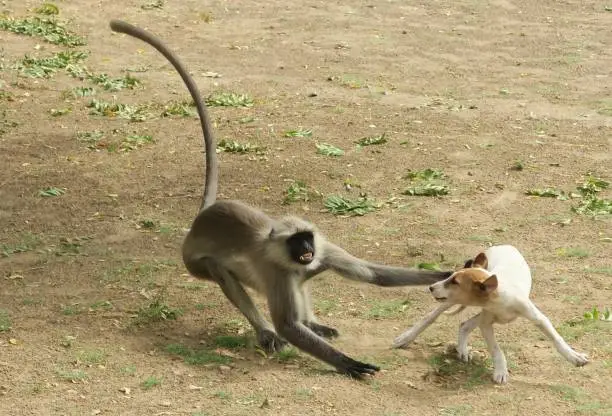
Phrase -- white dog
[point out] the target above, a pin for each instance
(498, 281)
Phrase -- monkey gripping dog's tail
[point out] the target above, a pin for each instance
(211, 181)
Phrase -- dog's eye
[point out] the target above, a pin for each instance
(454, 282)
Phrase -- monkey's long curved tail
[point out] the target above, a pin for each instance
(212, 170)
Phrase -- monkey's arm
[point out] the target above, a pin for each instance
(342, 262)
(284, 300)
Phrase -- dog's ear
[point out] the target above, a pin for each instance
(480, 261)
(468, 263)
(489, 285)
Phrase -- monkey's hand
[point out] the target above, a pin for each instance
(270, 341)
(322, 330)
(356, 369)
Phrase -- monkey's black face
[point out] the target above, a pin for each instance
(301, 247)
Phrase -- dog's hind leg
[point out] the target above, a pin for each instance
(543, 323)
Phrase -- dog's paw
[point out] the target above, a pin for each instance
(577, 358)
(464, 354)
(500, 376)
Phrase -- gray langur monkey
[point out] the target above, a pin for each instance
(238, 246)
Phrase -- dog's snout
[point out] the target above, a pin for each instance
(431, 289)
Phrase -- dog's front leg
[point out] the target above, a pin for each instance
(410, 335)
(532, 313)
(500, 366)
(465, 329)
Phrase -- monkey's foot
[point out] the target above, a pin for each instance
(322, 330)
(356, 369)
(270, 341)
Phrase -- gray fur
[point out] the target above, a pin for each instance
(238, 246)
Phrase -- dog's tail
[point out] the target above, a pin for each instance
(456, 311)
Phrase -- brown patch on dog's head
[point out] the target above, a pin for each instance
(469, 286)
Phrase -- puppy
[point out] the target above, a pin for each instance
(499, 282)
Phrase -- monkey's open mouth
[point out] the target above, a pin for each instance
(306, 257)
(440, 299)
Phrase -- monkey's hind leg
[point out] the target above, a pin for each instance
(309, 318)
(267, 337)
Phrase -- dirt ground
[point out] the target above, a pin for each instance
(97, 312)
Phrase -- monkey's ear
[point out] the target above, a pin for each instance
(480, 261)
(489, 285)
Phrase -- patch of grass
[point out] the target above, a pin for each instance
(386, 309)
(157, 311)
(287, 354)
(297, 191)
(575, 252)
(70, 310)
(90, 138)
(46, 67)
(591, 204)
(137, 272)
(130, 370)
(600, 270)
(372, 140)
(594, 206)
(155, 4)
(51, 192)
(518, 166)
(129, 112)
(48, 9)
(114, 84)
(328, 150)
(339, 205)
(229, 99)
(47, 28)
(429, 189)
(596, 315)
(429, 266)
(5, 321)
(179, 108)
(593, 185)
(298, 133)
(428, 183)
(325, 307)
(224, 395)
(231, 146)
(304, 393)
(135, 141)
(231, 341)
(92, 357)
(28, 242)
(604, 107)
(197, 357)
(577, 328)
(428, 174)
(546, 193)
(72, 375)
(151, 382)
(447, 366)
(349, 81)
(102, 304)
